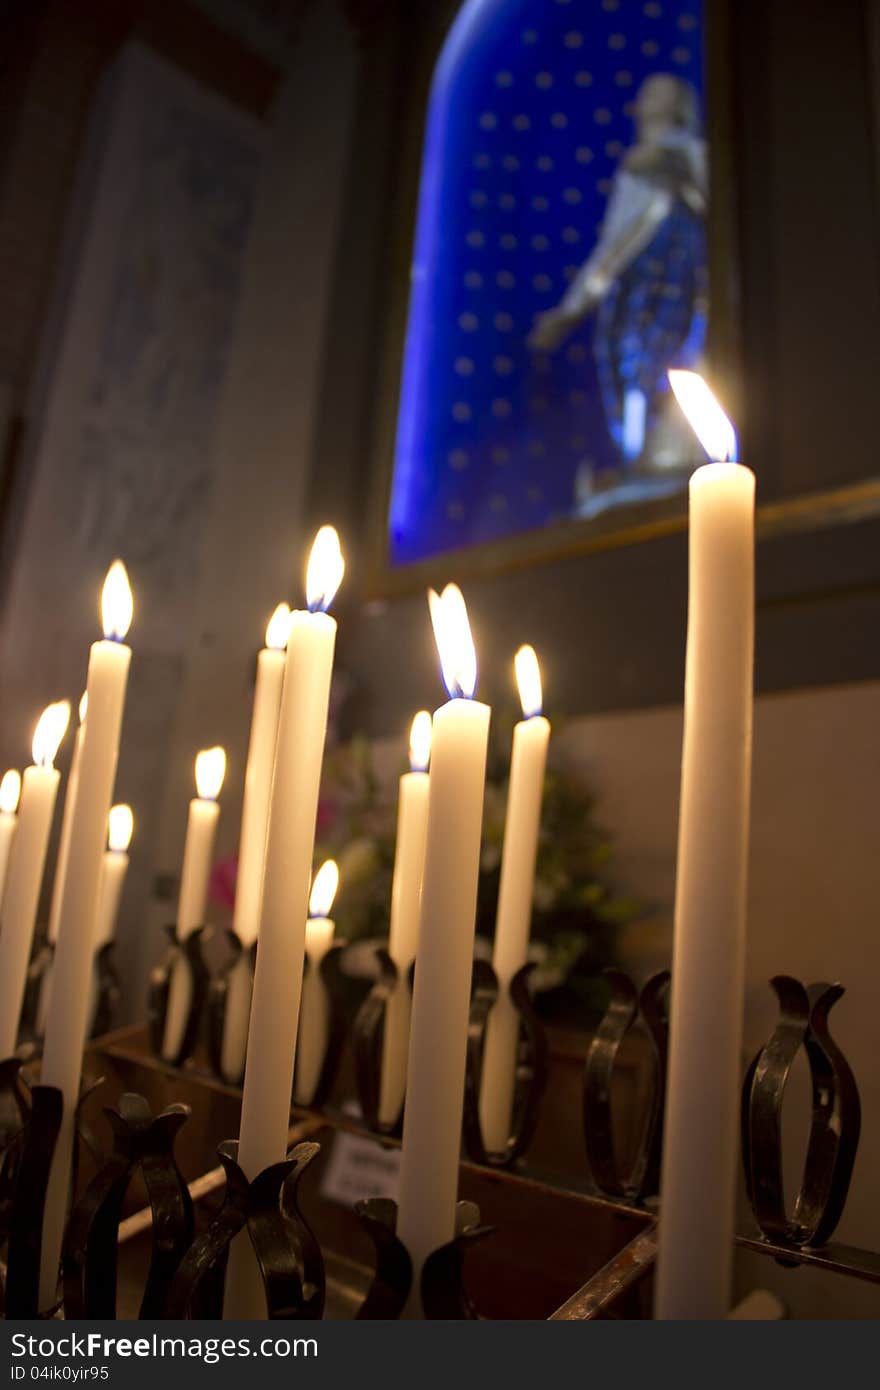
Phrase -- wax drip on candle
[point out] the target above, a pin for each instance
(278, 628)
(420, 742)
(325, 570)
(117, 604)
(528, 680)
(50, 730)
(704, 415)
(10, 791)
(120, 828)
(455, 644)
(210, 772)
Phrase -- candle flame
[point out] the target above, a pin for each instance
(210, 771)
(420, 742)
(83, 706)
(10, 791)
(120, 828)
(278, 628)
(324, 888)
(455, 645)
(528, 679)
(50, 730)
(325, 570)
(704, 415)
(117, 605)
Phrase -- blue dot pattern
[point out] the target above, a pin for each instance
(529, 114)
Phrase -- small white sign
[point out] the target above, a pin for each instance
(360, 1167)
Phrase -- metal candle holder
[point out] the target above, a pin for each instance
(288, 1255)
(331, 975)
(367, 1034)
(190, 954)
(89, 1259)
(624, 1008)
(531, 1070)
(35, 981)
(108, 990)
(836, 1119)
(218, 998)
(442, 1288)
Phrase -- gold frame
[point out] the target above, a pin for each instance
(626, 525)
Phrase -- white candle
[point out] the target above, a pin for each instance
(290, 842)
(67, 822)
(441, 995)
(114, 867)
(528, 764)
(701, 1130)
(314, 1009)
(252, 845)
(66, 1024)
(198, 856)
(10, 791)
(38, 792)
(403, 936)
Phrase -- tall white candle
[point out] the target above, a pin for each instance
(61, 864)
(314, 1009)
(67, 1021)
(701, 1131)
(302, 729)
(441, 995)
(403, 936)
(10, 791)
(198, 855)
(114, 867)
(252, 845)
(528, 764)
(67, 822)
(38, 792)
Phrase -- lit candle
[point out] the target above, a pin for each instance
(198, 854)
(67, 1020)
(441, 993)
(114, 867)
(66, 822)
(252, 845)
(290, 843)
(528, 763)
(314, 1009)
(10, 791)
(61, 863)
(701, 1129)
(39, 788)
(403, 936)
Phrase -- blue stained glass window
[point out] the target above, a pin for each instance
(563, 175)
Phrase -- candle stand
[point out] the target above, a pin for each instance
(288, 1255)
(107, 991)
(625, 1007)
(181, 955)
(531, 1070)
(218, 998)
(367, 1037)
(834, 1130)
(141, 1141)
(36, 980)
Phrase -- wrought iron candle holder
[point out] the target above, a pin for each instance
(331, 975)
(367, 1034)
(89, 1259)
(835, 1126)
(288, 1255)
(442, 1287)
(36, 980)
(531, 1069)
(108, 992)
(188, 954)
(218, 1001)
(625, 1007)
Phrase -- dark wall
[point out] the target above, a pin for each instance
(610, 626)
